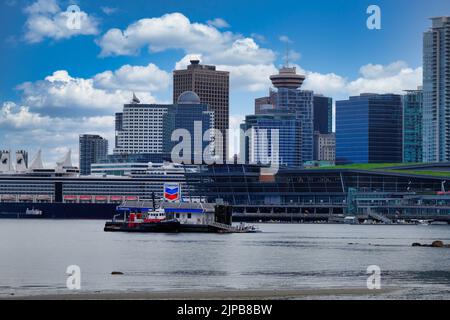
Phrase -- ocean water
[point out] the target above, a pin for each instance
(34, 256)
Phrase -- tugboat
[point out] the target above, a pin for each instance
(141, 216)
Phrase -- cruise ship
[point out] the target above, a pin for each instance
(62, 193)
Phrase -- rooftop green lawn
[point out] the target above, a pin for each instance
(368, 166)
(383, 166)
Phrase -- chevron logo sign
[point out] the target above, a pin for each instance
(172, 192)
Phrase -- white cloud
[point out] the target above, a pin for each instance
(45, 19)
(392, 78)
(171, 31)
(108, 90)
(134, 78)
(242, 51)
(20, 117)
(176, 31)
(109, 10)
(285, 39)
(218, 23)
(21, 128)
(250, 77)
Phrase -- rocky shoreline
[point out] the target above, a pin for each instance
(434, 244)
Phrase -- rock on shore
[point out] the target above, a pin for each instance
(434, 244)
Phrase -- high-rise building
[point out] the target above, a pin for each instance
(412, 125)
(263, 129)
(118, 126)
(436, 91)
(288, 96)
(369, 129)
(324, 146)
(141, 129)
(146, 129)
(323, 114)
(213, 88)
(93, 148)
(194, 118)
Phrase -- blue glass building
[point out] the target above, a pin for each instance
(369, 129)
(323, 114)
(188, 114)
(300, 103)
(412, 126)
(259, 144)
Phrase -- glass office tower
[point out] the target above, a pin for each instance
(369, 129)
(323, 114)
(300, 103)
(412, 126)
(287, 96)
(190, 115)
(436, 91)
(259, 145)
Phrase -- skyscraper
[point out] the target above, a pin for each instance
(146, 129)
(118, 126)
(436, 91)
(93, 148)
(195, 118)
(323, 114)
(139, 129)
(213, 88)
(369, 129)
(260, 143)
(412, 125)
(288, 96)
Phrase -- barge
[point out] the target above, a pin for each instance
(143, 216)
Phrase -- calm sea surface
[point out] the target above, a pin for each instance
(34, 256)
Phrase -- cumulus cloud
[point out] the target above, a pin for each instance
(218, 23)
(250, 77)
(55, 110)
(45, 19)
(176, 31)
(108, 90)
(135, 78)
(22, 128)
(374, 78)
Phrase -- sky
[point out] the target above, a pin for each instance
(58, 80)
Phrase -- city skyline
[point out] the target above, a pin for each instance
(78, 91)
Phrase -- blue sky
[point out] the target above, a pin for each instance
(57, 83)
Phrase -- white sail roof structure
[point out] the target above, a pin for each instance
(36, 163)
(66, 162)
(21, 164)
(5, 162)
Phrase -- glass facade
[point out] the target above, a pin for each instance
(412, 126)
(187, 116)
(369, 129)
(300, 103)
(436, 91)
(259, 145)
(323, 114)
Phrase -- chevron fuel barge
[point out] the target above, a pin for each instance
(139, 216)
